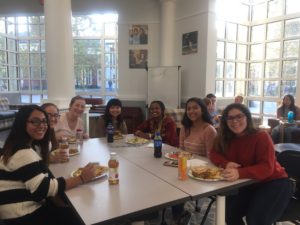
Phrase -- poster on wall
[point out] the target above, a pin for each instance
(190, 43)
(138, 58)
(138, 34)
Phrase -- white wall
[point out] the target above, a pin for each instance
(197, 69)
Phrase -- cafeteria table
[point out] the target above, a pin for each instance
(286, 146)
(145, 184)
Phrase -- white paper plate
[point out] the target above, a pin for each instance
(137, 141)
(203, 179)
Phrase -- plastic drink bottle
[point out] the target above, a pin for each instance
(110, 133)
(113, 169)
(157, 145)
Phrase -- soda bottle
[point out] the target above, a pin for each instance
(113, 169)
(157, 145)
(290, 116)
(110, 133)
(182, 166)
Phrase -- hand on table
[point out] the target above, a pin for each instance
(232, 165)
(88, 172)
(58, 156)
(142, 134)
(230, 174)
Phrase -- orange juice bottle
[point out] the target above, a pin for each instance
(182, 167)
(113, 169)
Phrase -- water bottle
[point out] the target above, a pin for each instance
(110, 133)
(157, 145)
(290, 116)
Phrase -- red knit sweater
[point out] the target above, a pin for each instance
(255, 153)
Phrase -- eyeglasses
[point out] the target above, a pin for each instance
(38, 122)
(54, 115)
(237, 118)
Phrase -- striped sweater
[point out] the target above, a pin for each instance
(25, 183)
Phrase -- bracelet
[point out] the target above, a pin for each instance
(82, 180)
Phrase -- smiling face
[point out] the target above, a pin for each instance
(53, 115)
(193, 111)
(115, 111)
(77, 108)
(36, 126)
(155, 110)
(237, 121)
(287, 101)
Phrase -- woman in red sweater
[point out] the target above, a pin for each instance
(245, 152)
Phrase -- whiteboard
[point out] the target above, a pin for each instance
(164, 84)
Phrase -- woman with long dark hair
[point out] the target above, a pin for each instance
(26, 183)
(245, 152)
(197, 133)
(113, 115)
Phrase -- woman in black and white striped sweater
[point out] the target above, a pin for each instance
(26, 186)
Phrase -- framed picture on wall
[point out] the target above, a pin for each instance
(190, 43)
(138, 58)
(138, 34)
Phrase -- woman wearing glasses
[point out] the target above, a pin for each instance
(70, 121)
(53, 117)
(245, 152)
(26, 184)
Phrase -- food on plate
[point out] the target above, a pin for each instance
(118, 135)
(137, 140)
(99, 171)
(174, 155)
(207, 172)
(71, 139)
(73, 151)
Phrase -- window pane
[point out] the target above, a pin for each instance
(259, 12)
(291, 48)
(13, 85)
(22, 30)
(110, 45)
(35, 72)
(258, 33)
(269, 108)
(11, 29)
(272, 69)
(34, 46)
(220, 29)
(3, 85)
(241, 70)
(229, 89)
(23, 46)
(24, 85)
(290, 69)
(275, 8)
(256, 52)
(254, 88)
(34, 30)
(230, 51)
(2, 42)
(35, 59)
(12, 58)
(11, 44)
(240, 87)
(220, 68)
(2, 26)
(292, 28)
(110, 59)
(12, 71)
(273, 50)
(23, 59)
(256, 70)
(242, 52)
(3, 72)
(35, 85)
(24, 72)
(219, 88)
(254, 106)
(36, 99)
(274, 31)
(3, 58)
(288, 87)
(231, 31)
(271, 88)
(25, 98)
(220, 50)
(230, 70)
(292, 6)
(242, 33)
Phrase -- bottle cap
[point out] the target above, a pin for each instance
(113, 155)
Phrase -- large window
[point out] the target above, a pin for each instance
(258, 56)
(22, 56)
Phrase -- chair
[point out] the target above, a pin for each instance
(290, 160)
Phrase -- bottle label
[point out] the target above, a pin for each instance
(182, 167)
(113, 175)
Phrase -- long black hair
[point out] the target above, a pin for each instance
(205, 116)
(18, 137)
(225, 134)
(107, 116)
(291, 107)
